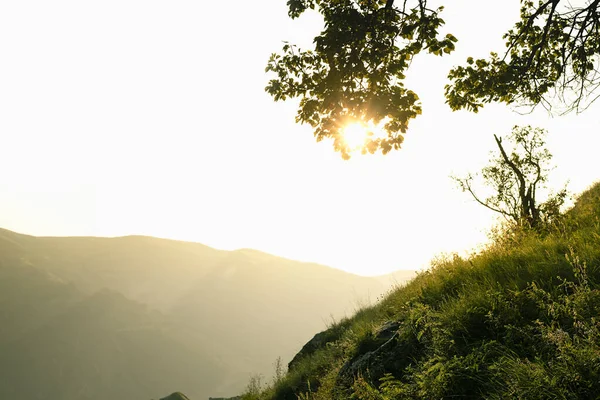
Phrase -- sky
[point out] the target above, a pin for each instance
(150, 117)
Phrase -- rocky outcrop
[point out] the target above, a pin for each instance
(382, 353)
(176, 396)
(225, 398)
(319, 341)
(310, 347)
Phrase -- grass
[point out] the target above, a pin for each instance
(520, 319)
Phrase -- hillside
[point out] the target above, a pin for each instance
(132, 265)
(520, 319)
(57, 342)
(136, 317)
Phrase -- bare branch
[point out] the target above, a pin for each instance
(467, 186)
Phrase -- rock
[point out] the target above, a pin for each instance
(380, 354)
(310, 347)
(318, 341)
(176, 396)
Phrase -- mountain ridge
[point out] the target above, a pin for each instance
(194, 243)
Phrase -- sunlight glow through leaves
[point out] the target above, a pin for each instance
(355, 135)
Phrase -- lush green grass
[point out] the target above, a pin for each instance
(520, 319)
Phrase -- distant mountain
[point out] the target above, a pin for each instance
(150, 270)
(133, 317)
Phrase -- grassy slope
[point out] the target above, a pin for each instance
(519, 320)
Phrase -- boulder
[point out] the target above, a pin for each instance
(318, 341)
(176, 396)
(383, 352)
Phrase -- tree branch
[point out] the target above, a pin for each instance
(467, 186)
(511, 164)
(538, 47)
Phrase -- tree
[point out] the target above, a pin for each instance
(516, 179)
(357, 68)
(552, 50)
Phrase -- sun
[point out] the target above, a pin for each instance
(355, 135)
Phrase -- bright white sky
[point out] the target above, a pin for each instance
(149, 117)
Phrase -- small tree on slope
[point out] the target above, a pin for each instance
(516, 179)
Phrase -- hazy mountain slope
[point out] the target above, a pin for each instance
(79, 322)
(262, 307)
(150, 270)
(29, 298)
(57, 344)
